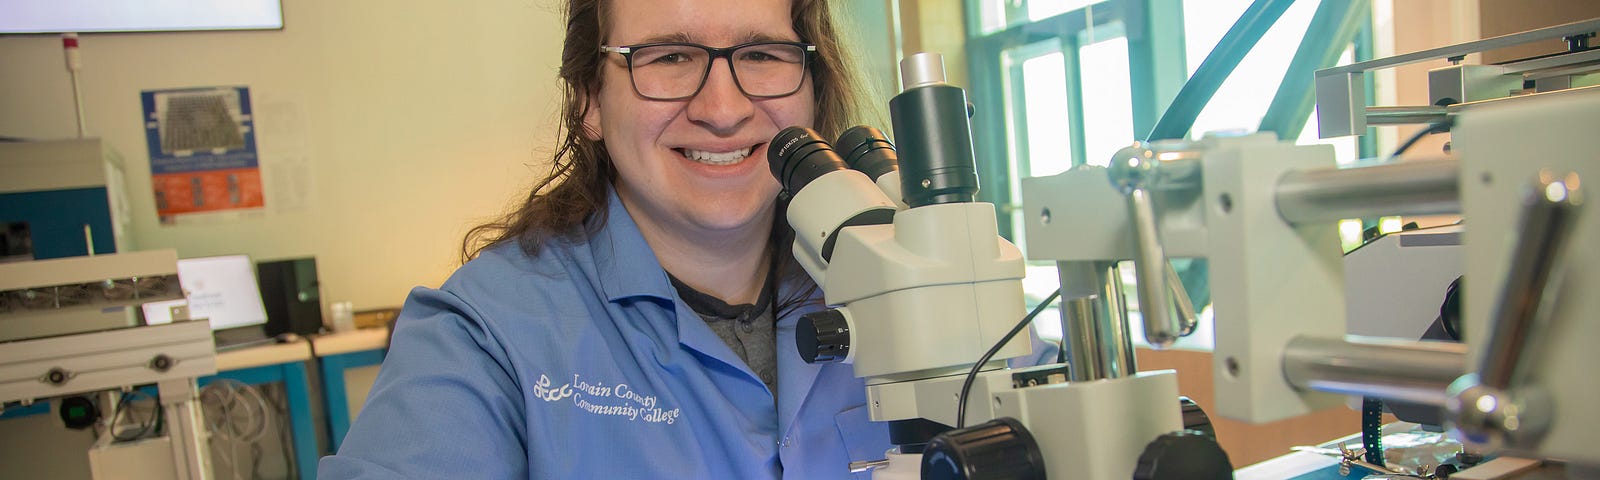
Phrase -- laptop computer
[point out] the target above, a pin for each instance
(223, 289)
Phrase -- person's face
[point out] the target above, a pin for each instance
(695, 166)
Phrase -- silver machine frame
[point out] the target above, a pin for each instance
(94, 359)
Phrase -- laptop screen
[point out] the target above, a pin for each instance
(222, 289)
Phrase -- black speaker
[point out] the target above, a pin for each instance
(292, 295)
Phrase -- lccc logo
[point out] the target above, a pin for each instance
(542, 390)
(609, 399)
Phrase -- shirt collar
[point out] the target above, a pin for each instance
(627, 266)
(628, 269)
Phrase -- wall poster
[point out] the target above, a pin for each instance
(203, 157)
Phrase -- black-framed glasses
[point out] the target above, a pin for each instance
(675, 71)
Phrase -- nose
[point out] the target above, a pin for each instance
(720, 106)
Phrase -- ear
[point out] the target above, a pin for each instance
(591, 116)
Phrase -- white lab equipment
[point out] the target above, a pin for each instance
(79, 354)
(921, 287)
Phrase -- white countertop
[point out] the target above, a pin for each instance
(270, 354)
(347, 342)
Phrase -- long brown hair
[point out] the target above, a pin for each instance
(570, 202)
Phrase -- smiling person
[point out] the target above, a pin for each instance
(634, 317)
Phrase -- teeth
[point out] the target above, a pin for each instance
(717, 158)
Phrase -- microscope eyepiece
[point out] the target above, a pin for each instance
(866, 149)
(797, 155)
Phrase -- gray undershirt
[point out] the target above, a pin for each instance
(749, 330)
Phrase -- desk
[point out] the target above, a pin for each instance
(337, 353)
(284, 362)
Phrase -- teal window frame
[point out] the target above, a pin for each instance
(1154, 30)
(1157, 71)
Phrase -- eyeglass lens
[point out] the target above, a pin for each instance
(677, 71)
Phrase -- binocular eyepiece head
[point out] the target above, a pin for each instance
(799, 155)
(868, 150)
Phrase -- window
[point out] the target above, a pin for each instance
(1111, 105)
(1042, 80)
(1075, 80)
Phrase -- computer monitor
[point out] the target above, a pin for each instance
(49, 16)
(223, 290)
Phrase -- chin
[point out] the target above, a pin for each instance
(734, 213)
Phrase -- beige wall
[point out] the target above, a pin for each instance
(1421, 25)
(415, 119)
(937, 26)
(419, 118)
(1502, 17)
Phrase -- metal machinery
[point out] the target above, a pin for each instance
(74, 326)
(63, 198)
(921, 285)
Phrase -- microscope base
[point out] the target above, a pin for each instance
(1098, 429)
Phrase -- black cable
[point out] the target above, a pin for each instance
(1061, 350)
(1432, 128)
(161, 418)
(278, 400)
(146, 425)
(255, 459)
(966, 386)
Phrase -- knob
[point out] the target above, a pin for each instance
(161, 363)
(1135, 172)
(79, 412)
(998, 449)
(823, 336)
(1183, 455)
(57, 376)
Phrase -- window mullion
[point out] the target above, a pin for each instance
(990, 143)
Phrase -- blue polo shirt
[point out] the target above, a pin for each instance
(583, 362)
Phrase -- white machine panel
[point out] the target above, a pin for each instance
(1502, 150)
(105, 360)
(1078, 216)
(1395, 284)
(62, 271)
(1270, 282)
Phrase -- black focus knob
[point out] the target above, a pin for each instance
(78, 413)
(994, 450)
(823, 336)
(1183, 455)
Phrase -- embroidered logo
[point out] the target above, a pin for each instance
(598, 398)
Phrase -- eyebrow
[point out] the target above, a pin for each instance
(683, 37)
